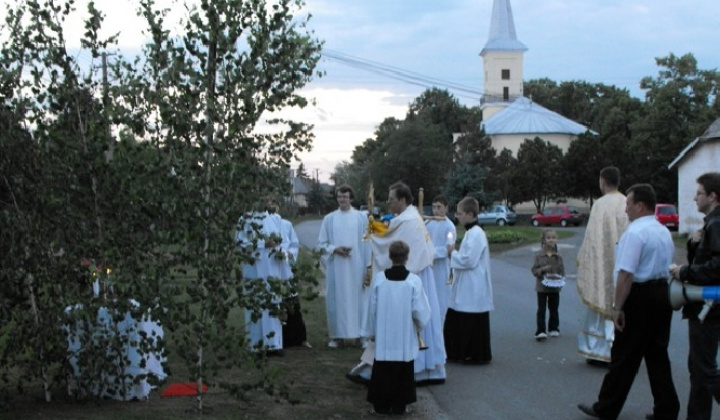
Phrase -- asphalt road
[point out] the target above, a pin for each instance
(529, 379)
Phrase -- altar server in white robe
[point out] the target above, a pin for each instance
(265, 229)
(408, 226)
(442, 233)
(467, 323)
(398, 308)
(346, 258)
(595, 261)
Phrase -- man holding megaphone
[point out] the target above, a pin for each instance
(641, 312)
(701, 277)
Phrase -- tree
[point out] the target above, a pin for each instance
(466, 180)
(417, 153)
(680, 104)
(185, 114)
(302, 172)
(538, 171)
(317, 199)
(505, 166)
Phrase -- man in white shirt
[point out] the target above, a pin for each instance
(641, 313)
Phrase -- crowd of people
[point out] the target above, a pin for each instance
(414, 300)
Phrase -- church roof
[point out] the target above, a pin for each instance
(711, 134)
(502, 35)
(523, 116)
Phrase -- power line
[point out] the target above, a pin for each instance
(397, 73)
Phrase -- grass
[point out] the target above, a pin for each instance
(315, 377)
(502, 238)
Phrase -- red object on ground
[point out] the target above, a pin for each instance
(184, 389)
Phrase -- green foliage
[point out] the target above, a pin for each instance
(318, 199)
(505, 236)
(681, 102)
(149, 181)
(466, 180)
(538, 172)
(417, 150)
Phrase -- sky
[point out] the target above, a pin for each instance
(614, 42)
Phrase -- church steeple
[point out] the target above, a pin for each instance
(502, 60)
(502, 36)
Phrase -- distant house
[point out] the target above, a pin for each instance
(700, 156)
(300, 191)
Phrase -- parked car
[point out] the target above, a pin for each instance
(497, 214)
(667, 215)
(562, 215)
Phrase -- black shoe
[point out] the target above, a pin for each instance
(354, 377)
(426, 382)
(590, 411)
(598, 363)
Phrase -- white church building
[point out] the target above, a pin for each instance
(509, 118)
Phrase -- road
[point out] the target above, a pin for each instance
(529, 379)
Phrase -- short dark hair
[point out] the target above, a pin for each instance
(643, 193)
(469, 205)
(611, 175)
(271, 204)
(440, 199)
(402, 191)
(710, 181)
(344, 189)
(399, 252)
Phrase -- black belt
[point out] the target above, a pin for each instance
(651, 282)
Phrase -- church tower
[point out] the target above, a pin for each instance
(502, 61)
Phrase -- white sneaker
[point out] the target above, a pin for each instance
(333, 344)
(554, 334)
(540, 336)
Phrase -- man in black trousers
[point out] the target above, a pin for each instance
(703, 270)
(641, 313)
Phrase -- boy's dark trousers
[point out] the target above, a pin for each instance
(552, 302)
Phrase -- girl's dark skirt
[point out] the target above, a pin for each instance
(392, 386)
(467, 337)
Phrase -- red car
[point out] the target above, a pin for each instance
(562, 215)
(667, 215)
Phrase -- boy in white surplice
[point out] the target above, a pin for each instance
(398, 309)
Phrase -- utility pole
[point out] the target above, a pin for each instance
(106, 104)
(105, 86)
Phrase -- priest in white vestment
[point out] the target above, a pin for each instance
(442, 233)
(408, 226)
(260, 234)
(596, 259)
(345, 259)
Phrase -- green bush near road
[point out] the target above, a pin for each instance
(501, 236)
